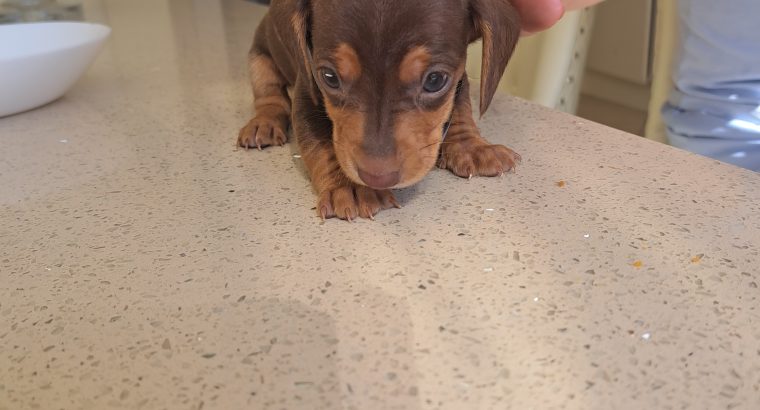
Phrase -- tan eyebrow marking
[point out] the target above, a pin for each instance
(414, 64)
(347, 62)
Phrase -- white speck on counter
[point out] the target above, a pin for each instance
(586, 236)
(646, 336)
(535, 299)
(487, 269)
(63, 141)
(489, 209)
(296, 156)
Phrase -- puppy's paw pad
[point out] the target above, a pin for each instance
(263, 131)
(483, 160)
(354, 201)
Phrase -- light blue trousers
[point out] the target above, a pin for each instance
(714, 109)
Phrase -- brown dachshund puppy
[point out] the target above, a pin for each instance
(377, 85)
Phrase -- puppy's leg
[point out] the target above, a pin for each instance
(337, 195)
(271, 104)
(465, 152)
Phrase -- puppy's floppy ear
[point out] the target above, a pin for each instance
(301, 21)
(498, 24)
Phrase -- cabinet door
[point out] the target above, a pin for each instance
(621, 44)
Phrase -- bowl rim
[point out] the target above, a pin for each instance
(99, 32)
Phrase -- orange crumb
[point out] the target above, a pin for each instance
(638, 264)
(697, 258)
(561, 184)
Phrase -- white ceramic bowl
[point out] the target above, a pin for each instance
(39, 62)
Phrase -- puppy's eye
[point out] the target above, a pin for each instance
(331, 78)
(435, 82)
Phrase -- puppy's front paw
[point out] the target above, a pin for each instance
(351, 201)
(466, 159)
(263, 131)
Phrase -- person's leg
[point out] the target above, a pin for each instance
(715, 107)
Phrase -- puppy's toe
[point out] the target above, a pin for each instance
(263, 131)
(494, 160)
(338, 203)
(354, 201)
(371, 201)
(344, 203)
(387, 200)
(324, 205)
(461, 164)
(506, 157)
(483, 160)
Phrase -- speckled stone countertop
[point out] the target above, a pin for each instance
(146, 263)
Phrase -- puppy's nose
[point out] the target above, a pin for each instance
(378, 172)
(379, 181)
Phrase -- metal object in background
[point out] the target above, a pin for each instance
(18, 11)
(548, 67)
(570, 90)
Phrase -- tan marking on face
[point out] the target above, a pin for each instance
(419, 135)
(347, 62)
(348, 132)
(418, 139)
(414, 64)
